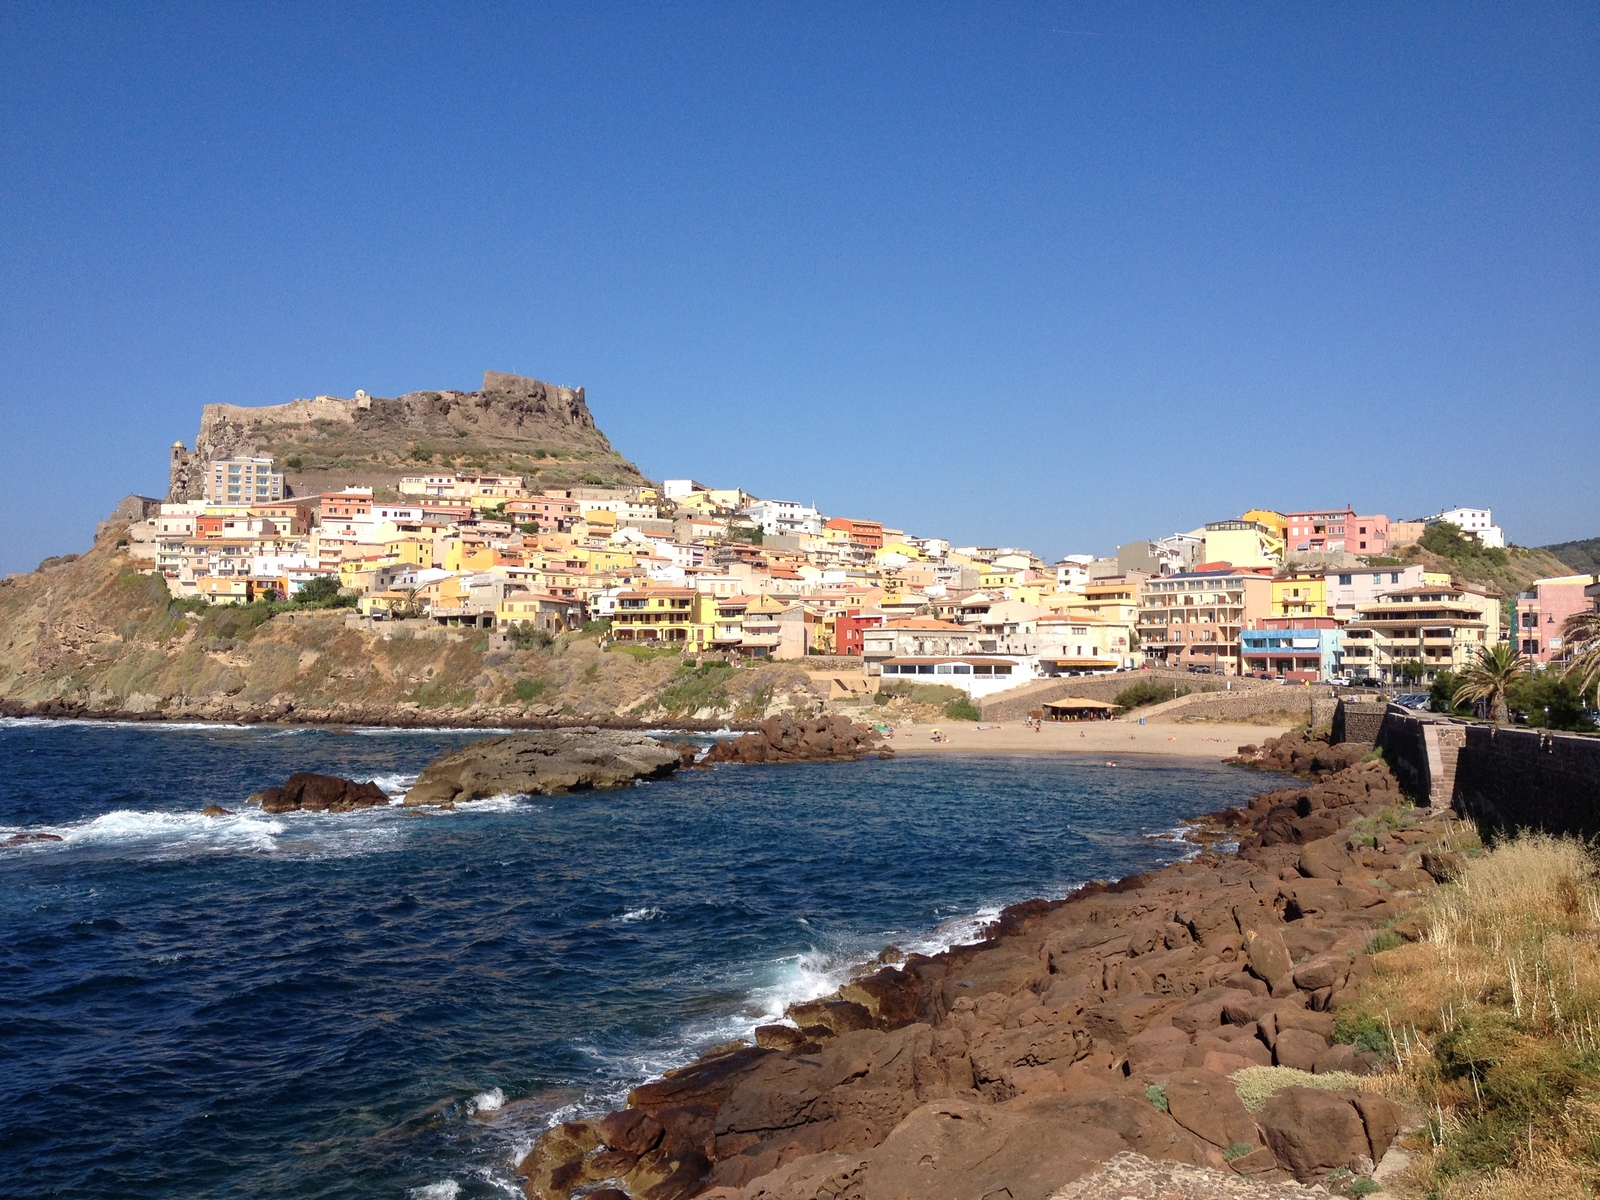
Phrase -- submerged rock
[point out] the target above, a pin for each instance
(306, 791)
(216, 810)
(542, 764)
(23, 839)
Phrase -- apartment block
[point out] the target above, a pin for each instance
(243, 481)
(1431, 628)
(1194, 619)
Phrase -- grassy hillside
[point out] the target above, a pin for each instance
(1501, 572)
(1580, 557)
(93, 631)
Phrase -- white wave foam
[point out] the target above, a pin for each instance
(395, 785)
(62, 722)
(961, 931)
(640, 914)
(810, 975)
(447, 1189)
(489, 1101)
(401, 731)
(239, 831)
(505, 802)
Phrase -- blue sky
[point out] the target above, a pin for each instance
(1053, 275)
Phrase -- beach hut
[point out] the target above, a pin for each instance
(1076, 708)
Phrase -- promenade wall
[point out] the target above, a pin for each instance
(1504, 779)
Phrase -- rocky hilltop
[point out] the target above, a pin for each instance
(512, 424)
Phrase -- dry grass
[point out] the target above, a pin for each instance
(1256, 1085)
(1493, 1023)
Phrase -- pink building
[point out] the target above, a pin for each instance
(1316, 529)
(1367, 535)
(1542, 609)
(1335, 529)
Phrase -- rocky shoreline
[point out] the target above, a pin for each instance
(553, 761)
(1109, 1022)
(370, 716)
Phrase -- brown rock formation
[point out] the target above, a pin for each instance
(1097, 1026)
(306, 791)
(784, 739)
(515, 424)
(1301, 753)
(543, 763)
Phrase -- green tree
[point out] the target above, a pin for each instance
(324, 589)
(1489, 680)
(1441, 695)
(1551, 700)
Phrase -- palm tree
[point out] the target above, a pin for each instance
(1580, 637)
(1489, 679)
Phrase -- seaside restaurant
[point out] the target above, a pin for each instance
(1077, 708)
(976, 675)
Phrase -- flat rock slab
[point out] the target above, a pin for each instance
(1131, 1176)
(542, 764)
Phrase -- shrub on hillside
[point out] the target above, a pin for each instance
(961, 709)
(1447, 541)
(1149, 691)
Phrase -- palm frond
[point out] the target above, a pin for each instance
(1490, 678)
(1580, 634)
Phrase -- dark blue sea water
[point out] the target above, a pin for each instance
(394, 1003)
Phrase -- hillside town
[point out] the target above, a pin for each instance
(1314, 596)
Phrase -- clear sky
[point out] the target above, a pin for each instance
(1053, 275)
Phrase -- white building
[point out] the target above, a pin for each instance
(977, 675)
(677, 489)
(779, 517)
(243, 481)
(1474, 522)
(1347, 590)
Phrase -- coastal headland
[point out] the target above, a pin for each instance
(1127, 1018)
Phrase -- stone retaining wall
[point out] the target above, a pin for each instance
(1529, 779)
(1504, 779)
(1295, 703)
(1358, 721)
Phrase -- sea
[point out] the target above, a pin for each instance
(395, 1003)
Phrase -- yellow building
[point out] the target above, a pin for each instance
(1274, 523)
(678, 617)
(222, 589)
(1300, 594)
(468, 556)
(992, 578)
(897, 547)
(416, 551)
(1242, 544)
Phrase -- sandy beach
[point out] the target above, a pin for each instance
(1110, 738)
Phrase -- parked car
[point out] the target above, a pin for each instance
(1415, 700)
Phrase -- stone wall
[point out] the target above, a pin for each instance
(1358, 721)
(1294, 704)
(1509, 779)
(1504, 779)
(1017, 704)
(1404, 746)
